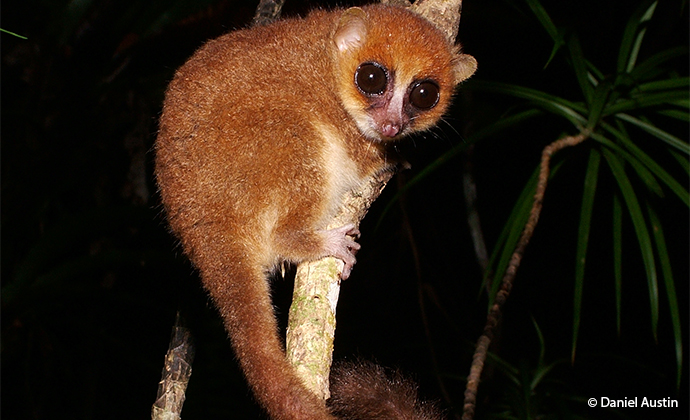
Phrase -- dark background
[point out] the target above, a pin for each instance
(91, 279)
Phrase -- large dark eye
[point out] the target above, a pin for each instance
(371, 79)
(424, 95)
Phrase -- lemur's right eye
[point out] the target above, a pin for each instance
(371, 78)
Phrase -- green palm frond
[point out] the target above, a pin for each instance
(627, 116)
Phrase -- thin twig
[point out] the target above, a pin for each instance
(176, 373)
(267, 11)
(469, 186)
(494, 316)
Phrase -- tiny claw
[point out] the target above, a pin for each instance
(347, 270)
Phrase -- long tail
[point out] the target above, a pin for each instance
(366, 391)
(240, 289)
(241, 292)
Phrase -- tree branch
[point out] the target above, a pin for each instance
(494, 316)
(176, 373)
(267, 11)
(311, 322)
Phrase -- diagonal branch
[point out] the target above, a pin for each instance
(494, 316)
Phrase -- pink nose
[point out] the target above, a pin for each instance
(390, 129)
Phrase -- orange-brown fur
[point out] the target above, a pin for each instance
(257, 145)
(381, 394)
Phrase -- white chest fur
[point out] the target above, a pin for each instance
(342, 174)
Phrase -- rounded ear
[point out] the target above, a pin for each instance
(351, 30)
(465, 66)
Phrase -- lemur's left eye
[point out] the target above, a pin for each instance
(424, 95)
